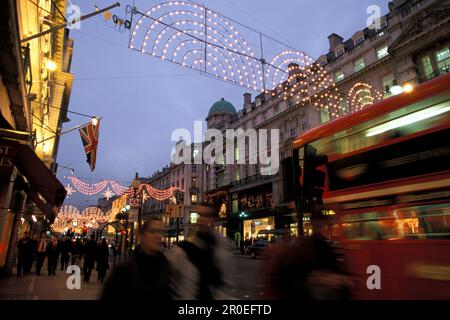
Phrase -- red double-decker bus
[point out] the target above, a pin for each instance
(386, 194)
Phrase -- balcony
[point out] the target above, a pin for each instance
(249, 180)
(436, 73)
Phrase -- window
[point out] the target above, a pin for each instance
(339, 75)
(304, 123)
(359, 64)
(443, 59)
(359, 40)
(193, 217)
(412, 223)
(237, 174)
(264, 115)
(194, 168)
(236, 152)
(290, 104)
(182, 183)
(195, 153)
(194, 182)
(339, 51)
(387, 82)
(193, 199)
(275, 110)
(427, 67)
(382, 52)
(235, 203)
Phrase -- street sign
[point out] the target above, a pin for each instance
(133, 215)
(175, 210)
(134, 202)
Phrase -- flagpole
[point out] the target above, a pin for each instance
(67, 131)
(65, 24)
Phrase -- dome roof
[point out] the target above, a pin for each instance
(222, 106)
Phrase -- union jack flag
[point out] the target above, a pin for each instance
(89, 136)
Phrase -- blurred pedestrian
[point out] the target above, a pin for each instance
(76, 252)
(32, 247)
(41, 252)
(65, 252)
(307, 269)
(22, 254)
(102, 260)
(201, 263)
(90, 256)
(144, 276)
(53, 250)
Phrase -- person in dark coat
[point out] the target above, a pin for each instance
(32, 247)
(76, 251)
(307, 269)
(22, 253)
(65, 250)
(90, 256)
(102, 260)
(53, 254)
(41, 252)
(146, 275)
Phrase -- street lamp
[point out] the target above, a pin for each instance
(135, 185)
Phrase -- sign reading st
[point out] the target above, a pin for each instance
(7, 155)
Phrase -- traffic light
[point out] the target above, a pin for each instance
(313, 178)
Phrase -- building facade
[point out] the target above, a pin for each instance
(409, 45)
(34, 96)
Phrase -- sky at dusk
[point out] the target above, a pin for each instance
(143, 99)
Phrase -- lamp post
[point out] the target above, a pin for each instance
(135, 185)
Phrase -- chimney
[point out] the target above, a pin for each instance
(247, 99)
(335, 40)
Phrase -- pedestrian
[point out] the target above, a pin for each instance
(32, 248)
(41, 252)
(102, 260)
(201, 264)
(65, 251)
(147, 274)
(115, 250)
(305, 270)
(76, 252)
(90, 255)
(53, 250)
(22, 253)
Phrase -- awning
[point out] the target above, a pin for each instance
(41, 186)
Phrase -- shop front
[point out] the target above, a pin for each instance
(252, 227)
(29, 193)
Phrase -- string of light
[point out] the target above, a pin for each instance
(117, 189)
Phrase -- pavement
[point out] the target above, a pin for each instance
(245, 276)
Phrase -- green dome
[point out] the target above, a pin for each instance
(222, 106)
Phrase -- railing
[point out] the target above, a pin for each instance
(250, 179)
(436, 73)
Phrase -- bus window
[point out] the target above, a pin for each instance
(403, 122)
(420, 222)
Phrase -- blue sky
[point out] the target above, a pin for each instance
(143, 99)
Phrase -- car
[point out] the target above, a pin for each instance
(256, 249)
(266, 238)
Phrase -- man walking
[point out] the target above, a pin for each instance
(90, 256)
(22, 254)
(52, 253)
(41, 251)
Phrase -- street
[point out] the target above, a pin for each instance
(32, 287)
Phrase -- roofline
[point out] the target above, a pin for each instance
(421, 92)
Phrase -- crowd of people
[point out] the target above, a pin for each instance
(198, 268)
(87, 254)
